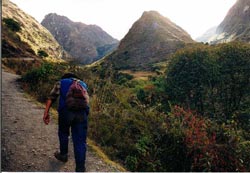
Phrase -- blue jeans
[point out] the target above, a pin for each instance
(78, 121)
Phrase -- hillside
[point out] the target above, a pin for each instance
(235, 26)
(33, 33)
(12, 46)
(86, 43)
(150, 40)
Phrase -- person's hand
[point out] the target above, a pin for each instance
(46, 112)
(46, 118)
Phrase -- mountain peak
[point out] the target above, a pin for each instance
(55, 18)
(52, 14)
(150, 40)
(154, 16)
(151, 13)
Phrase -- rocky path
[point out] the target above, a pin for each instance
(27, 144)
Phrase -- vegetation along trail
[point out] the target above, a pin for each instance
(28, 144)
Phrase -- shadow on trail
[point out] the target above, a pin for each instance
(55, 165)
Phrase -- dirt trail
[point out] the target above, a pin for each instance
(27, 144)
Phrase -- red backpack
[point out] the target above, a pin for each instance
(77, 97)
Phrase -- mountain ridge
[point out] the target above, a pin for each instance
(86, 43)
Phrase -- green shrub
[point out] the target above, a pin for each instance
(42, 53)
(141, 95)
(40, 80)
(131, 162)
(244, 150)
(38, 74)
(213, 81)
(12, 24)
(122, 78)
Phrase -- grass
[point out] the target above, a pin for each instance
(105, 158)
(139, 75)
(54, 60)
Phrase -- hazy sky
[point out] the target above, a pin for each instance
(117, 16)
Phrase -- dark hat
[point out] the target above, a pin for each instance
(69, 75)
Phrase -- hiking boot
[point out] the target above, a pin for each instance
(80, 169)
(58, 156)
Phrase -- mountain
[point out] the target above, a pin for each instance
(86, 43)
(30, 39)
(207, 35)
(149, 41)
(235, 26)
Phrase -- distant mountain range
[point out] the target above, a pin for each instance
(234, 27)
(30, 39)
(150, 40)
(207, 36)
(86, 43)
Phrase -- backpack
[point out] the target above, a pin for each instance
(77, 97)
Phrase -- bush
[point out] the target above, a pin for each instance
(12, 24)
(42, 53)
(38, 74)
(122, 78)
(204, 151)
(244, 149)
(40, 80)
(213, 81)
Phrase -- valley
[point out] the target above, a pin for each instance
(160, 101)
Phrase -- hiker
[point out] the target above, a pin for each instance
(77, 119)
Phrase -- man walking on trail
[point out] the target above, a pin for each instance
(71, 114)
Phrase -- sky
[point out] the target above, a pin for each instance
(116, 17)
